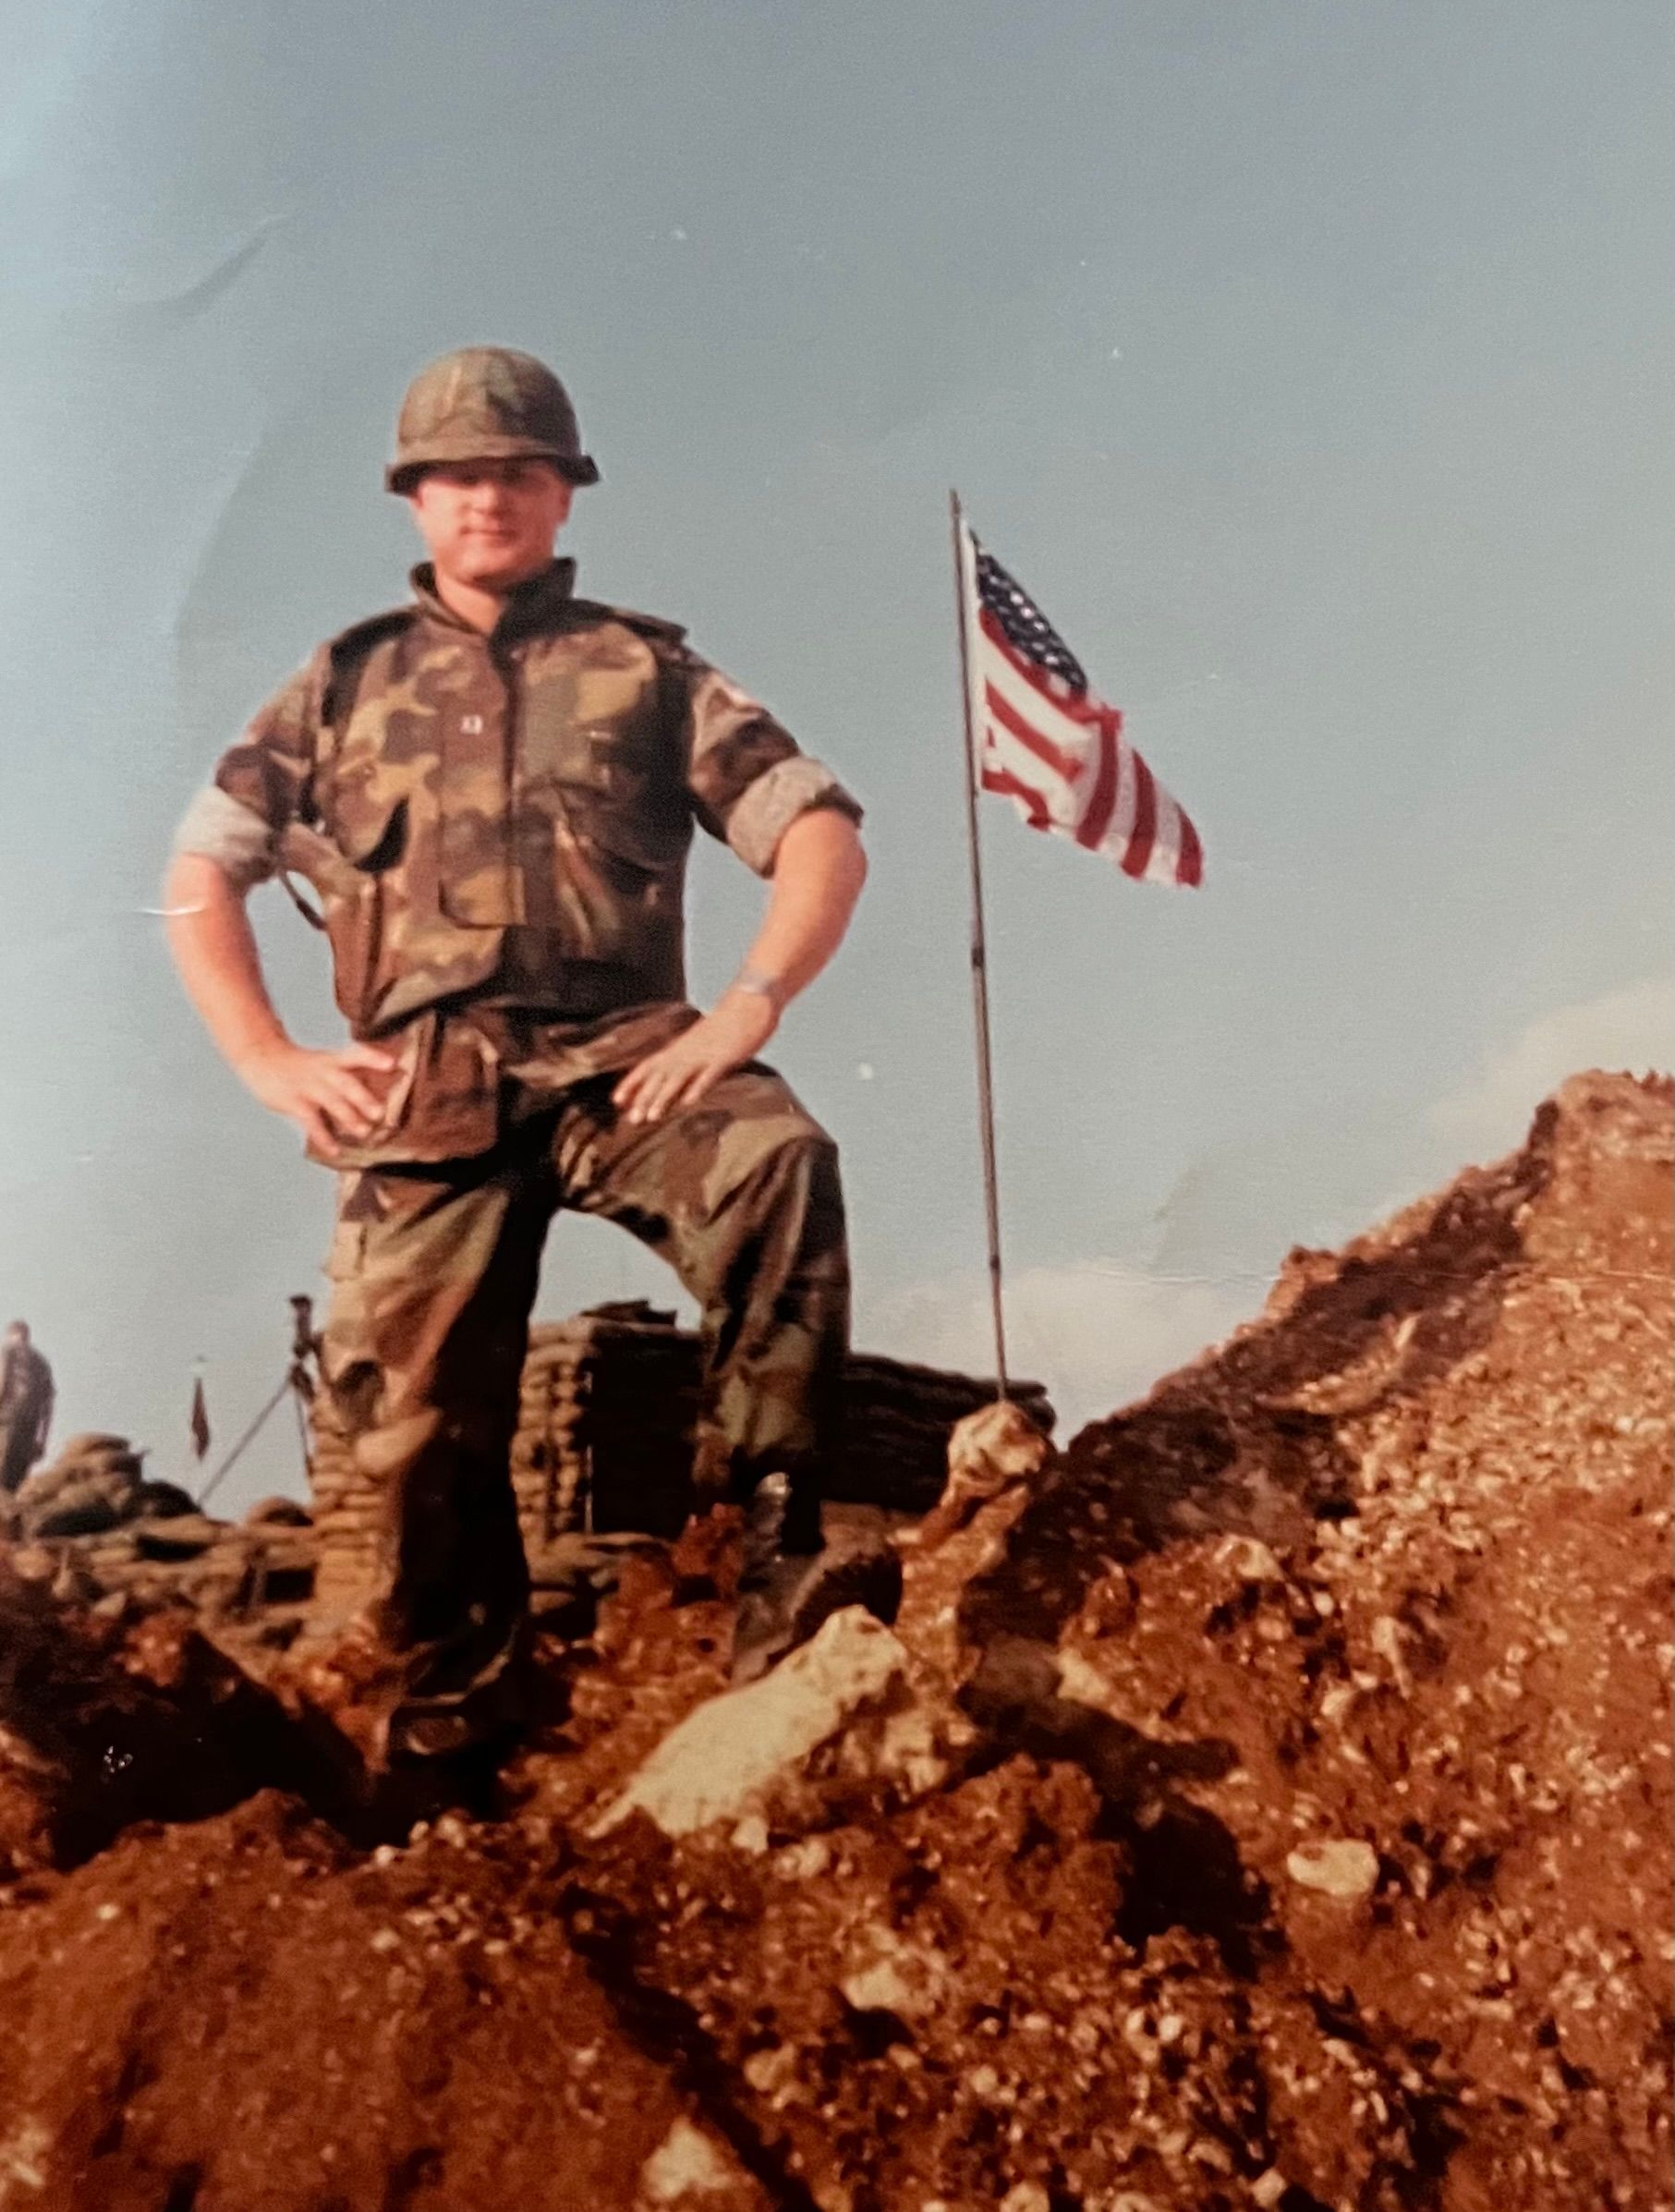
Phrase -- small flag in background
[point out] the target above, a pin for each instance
(200, 1417)
(1046, 743)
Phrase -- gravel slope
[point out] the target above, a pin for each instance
(1307, 1842)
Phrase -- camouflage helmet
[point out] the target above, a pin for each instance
(486, 403)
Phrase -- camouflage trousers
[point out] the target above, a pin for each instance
(433, 1273)
(16, 1450)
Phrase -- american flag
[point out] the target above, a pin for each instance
(1049, 744)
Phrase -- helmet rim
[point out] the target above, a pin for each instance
(486, 403)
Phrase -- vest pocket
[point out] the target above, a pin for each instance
(652, 838)
(630, 882)
(370, 829)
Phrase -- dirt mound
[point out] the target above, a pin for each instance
(1305, 1841)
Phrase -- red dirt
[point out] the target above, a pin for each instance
(1390, 1570)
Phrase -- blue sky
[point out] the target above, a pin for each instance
(1309, 363)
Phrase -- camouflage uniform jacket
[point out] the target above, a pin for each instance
(500, 821)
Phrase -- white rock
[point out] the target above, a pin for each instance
(1026, 2196)
(1386, 1640)
(800, 1861)
(1249, 1558)
(995, 1449)
(23, 2157)
(883, 1974)
(768, 2072)
(687, 2167)
(1084, 1684)
(844, 1702)
(1336, 1866)
(881, 1987)
(995, 1445)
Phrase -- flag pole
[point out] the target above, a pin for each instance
(979, 956)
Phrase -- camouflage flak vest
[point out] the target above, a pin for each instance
(465, 786)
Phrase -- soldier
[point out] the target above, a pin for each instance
(491, 790)
(25, 1406)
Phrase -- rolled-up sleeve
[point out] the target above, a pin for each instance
(225, 829)
(767, 808)
(747, 778)
(258, 787)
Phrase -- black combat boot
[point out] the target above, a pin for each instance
(784, 1593)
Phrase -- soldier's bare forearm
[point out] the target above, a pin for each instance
(817, 874)
(215, 955)
(329, 1094)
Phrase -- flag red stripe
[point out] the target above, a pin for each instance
(1189, 868)
(1012, 787)
(1050, 755)
(1138, 851)
(1103, 799)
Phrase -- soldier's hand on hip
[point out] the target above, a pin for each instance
(330, 1095)
(679, 1074)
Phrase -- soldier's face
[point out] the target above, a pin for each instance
(491, 523)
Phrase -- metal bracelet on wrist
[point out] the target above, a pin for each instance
(765, 986)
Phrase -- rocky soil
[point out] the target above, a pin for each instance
(1265, 1804)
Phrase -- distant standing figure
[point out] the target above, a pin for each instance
(25, 1406)
(305, 1347)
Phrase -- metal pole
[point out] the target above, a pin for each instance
(204, 1494)
(299, 1399)
(979, 956)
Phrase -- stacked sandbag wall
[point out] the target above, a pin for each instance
(93, 1525)
(897, 1419)
(608, 1402)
